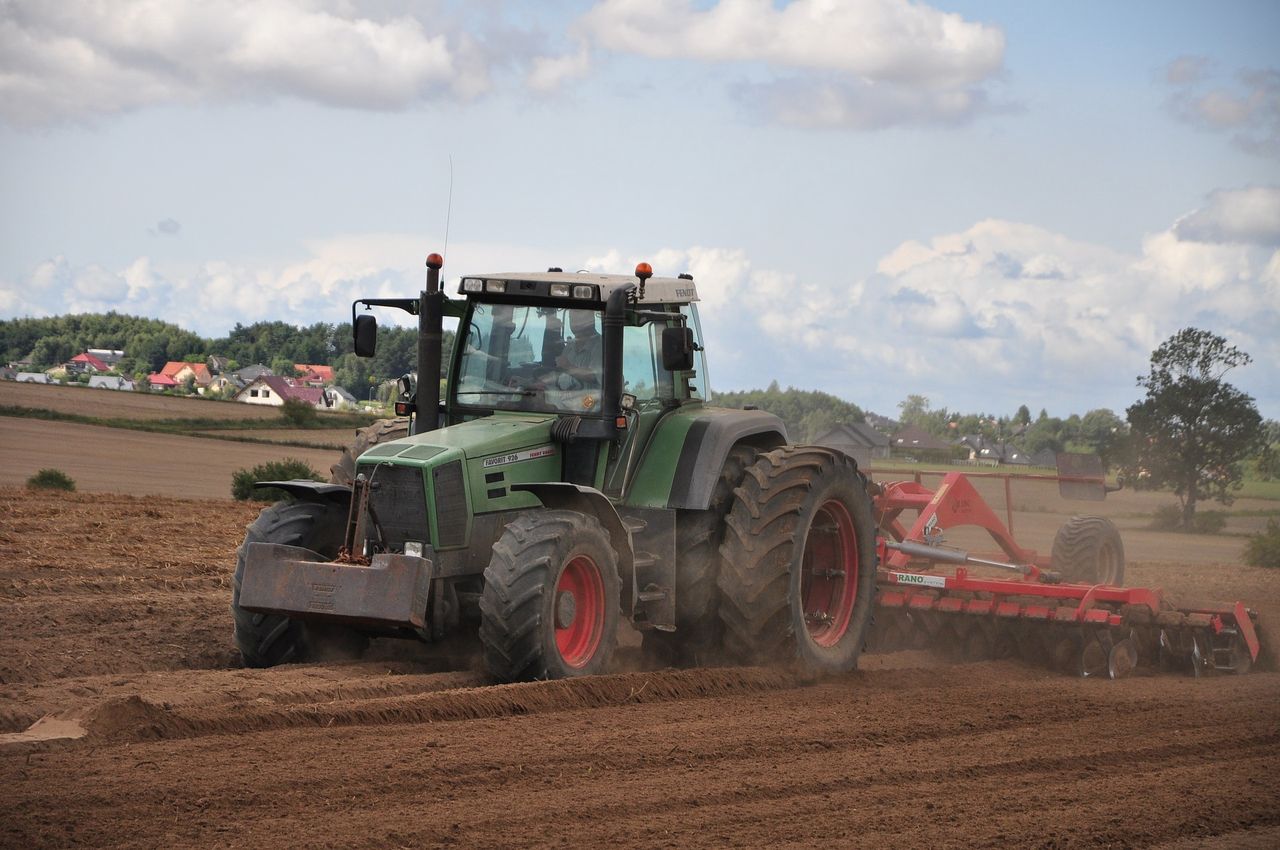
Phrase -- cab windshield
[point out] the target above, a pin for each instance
(518, 357)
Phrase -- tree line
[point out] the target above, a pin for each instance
(1192, 432)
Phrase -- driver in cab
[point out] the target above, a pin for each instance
(581, 361)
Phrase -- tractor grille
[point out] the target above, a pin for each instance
(451, 504)
(400, 503)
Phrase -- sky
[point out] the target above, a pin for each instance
(989, 204)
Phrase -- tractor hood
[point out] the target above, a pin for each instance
(492, 438)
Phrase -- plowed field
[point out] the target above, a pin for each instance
(115, 643)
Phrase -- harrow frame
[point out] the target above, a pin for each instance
(1090, 629)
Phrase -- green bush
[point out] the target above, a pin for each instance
(242, 480)
(1263, 549)
(1169, 518)
(51, 479)
(298, 412)
(1208, 522)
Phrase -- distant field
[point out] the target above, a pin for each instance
(143, 407)
(117, 460)
(84, 401)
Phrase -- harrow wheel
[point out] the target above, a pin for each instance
(550, 605)
(797, 576)
(1087, 550)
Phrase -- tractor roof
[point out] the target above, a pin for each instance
(657, 290)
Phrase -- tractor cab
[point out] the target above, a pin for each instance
(607, 355)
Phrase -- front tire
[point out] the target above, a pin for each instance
(550, 606)
(797, 578)
(266, 640)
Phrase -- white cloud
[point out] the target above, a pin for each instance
(71, 59)
(1250, 215)
(549, 73)
(862, 63)
(890, 40)
(1247, 104)
(999, 314)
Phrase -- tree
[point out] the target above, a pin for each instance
(1023, 416)
(1100, 432)
(915, 410)
(1193, 429)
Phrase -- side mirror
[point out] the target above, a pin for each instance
(365, 335)
(677, 349)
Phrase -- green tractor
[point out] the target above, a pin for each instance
(572, 475)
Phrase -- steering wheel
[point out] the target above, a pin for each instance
(567, 381)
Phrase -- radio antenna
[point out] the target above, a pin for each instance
(448, 214)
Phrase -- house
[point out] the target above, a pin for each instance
(110, 356)
(249, 374)
(33, 378)
(993, 451)
(858, 440)
(159, 382)
(85, 362)
(274, 390)
(8, 373)
(914, 441)
(227, 384)
(180, 370)
(313, 375)
(339, 399)
(110, 382)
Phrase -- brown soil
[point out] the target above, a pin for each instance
(115, 627)
(118, 460)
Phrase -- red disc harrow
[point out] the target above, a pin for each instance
(1042, 612)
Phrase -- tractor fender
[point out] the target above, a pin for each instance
(306, 490)
(707, 444)
(587, 500)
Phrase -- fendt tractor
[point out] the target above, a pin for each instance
(574, 473)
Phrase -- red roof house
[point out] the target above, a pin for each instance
(159, 380)
(275, 390)
(87, 361)
(314, 374)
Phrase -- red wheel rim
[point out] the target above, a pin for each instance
(829, 578)
(578, 611)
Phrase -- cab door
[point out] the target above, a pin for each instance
(655, 395)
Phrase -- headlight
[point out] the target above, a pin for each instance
(472, 284)
(560, 290)
(581, 291)
(413, 547)
(495, 286)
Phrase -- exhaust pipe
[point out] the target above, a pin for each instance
(430, 353)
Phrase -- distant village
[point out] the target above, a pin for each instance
(257, 384)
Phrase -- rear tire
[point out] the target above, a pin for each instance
(699, 534)
(550, 606)
(382, 431)
(797, 579)
(266, 640)
(1087, 550)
